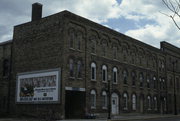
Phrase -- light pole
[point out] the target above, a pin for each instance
(175, 108)
(109, 96)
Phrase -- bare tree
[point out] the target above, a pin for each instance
(174, 7)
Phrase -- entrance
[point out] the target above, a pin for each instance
(75, 104)
(114, 104)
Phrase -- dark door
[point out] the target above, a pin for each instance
(75, 104)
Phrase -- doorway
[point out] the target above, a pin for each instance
(75, 104)
(114, 104)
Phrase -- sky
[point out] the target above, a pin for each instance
(140, 19)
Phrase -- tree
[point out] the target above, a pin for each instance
(174, 7)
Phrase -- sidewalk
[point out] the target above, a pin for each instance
(127, 117)
(115, 118)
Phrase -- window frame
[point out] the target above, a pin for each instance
(93, 69)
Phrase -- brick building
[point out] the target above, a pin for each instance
(67, 65)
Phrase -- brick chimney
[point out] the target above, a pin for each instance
(36, 11)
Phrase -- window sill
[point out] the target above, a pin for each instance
(104, 82)
(105, 108)
(93, 53)
(133, 86)
(115, 83)
(93, 80)
(79, 78)
(72, 77)
(72, 49)
(125, 109)
(93, 107)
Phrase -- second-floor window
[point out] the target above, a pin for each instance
(93, 71)
(71, 68)
(141, 78)
(115, 75)
(79, 70)
(133, 78)
(104, 73)
(125, 75)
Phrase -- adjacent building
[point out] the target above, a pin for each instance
(70, 67)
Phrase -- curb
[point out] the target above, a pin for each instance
(144, 118)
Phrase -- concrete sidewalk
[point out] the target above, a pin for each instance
(115, 118)
(127, 117)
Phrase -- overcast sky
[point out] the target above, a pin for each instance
(140, 19)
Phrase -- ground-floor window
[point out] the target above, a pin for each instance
(133, 102)
(104, 100)
(149, 103)
(93, 99)
(155, 103)
(125, 101)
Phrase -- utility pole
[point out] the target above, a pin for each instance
(109, 97)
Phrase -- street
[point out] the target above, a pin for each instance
(160, 119)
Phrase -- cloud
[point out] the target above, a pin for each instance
(161, 29)
(102, 11)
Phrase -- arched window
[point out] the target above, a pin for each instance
(115, 52)
(141, 78)
(71, 38)
(104, 100)
(104, 73)
(155, 103)
(93, 99)
(115, 75)
(165, 104)
(79, 70)
(133, 102)
(155, 82)
(148, 102)
(133, 78)
(104, 48)
(71, 67)
(79, 40)
(125, 75)
(125, 101)
(148, 82)
(93, 71)
(93, 46)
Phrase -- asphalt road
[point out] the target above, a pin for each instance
(161, 119)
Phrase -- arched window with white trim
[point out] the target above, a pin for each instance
(148, 102)
(79, 70)
(133, 102)
(104, 73)
(71, 68)
(165, 105)
(93, 99)
(93, 71)
(104, 100)
(71, 38)
(115, 75)
(125, 101)
(155, 103)
(79, 40)
(125, 76)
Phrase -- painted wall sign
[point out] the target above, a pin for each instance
(38, 87)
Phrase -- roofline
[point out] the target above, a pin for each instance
(6, 42)
(113, 31)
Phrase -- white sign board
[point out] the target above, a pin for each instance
(38, 87)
